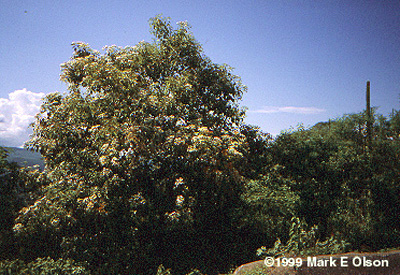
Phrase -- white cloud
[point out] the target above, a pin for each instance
(290, 109)
(16, 113)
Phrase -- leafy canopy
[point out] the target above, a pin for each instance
(147, 138)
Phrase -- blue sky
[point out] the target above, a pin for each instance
(302, 61)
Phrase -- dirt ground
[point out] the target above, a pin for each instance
(387, 263)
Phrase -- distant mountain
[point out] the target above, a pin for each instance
(24, 157)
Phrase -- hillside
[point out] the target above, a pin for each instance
(24, 157)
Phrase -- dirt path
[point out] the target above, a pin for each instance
(387, 263)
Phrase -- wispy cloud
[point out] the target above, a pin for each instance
(289, 109)
(16, 113)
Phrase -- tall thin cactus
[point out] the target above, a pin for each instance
(369, 119)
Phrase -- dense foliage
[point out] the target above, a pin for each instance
(303, 242)
(144, 159)
(19, 187)
(151, 170)
(346, 183)
(45, 266)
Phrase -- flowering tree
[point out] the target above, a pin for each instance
(145, 142)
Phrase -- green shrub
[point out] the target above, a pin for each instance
(162, 271)
(42, 266)
(303, 243)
